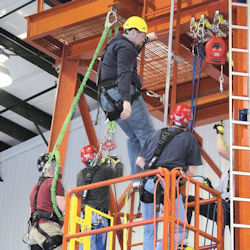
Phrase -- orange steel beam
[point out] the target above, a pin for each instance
(40, 5)
(117, 220)
(210, 113)
(160, 22)
(176, 52)
(196, 216)
(241, 136)
(89, 128)
(64, 99)
(69, 14)
(132, 201)
(207, 158)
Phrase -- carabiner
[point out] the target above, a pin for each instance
(112, 11)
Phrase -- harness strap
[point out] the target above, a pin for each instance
(118, 105)
(91, 171)
(50, 242)
(165, 137)
(40, 181)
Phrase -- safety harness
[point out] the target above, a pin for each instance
(91, 171)
(51, 242)
(165, 137)
(104, 86)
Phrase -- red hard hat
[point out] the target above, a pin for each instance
(88, 153)
(181, 115)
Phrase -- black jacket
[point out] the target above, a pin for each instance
(99, 198)
(120, 62)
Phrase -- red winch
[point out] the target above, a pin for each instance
(216, 51)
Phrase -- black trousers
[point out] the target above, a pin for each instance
(209, 211)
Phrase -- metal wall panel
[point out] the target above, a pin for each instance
(18, 166)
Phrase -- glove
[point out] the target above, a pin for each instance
(219, 128)
(208, 183)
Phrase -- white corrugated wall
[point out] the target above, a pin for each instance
(18, 167)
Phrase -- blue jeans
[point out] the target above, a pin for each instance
(97, 241)
(137, 127)
(148, 213)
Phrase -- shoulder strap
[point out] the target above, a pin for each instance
(40, 181)
(98, 79)
(91, 171)
(165, 137)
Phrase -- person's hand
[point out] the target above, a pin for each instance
(219, 127)
(208, 183)
(191, 170)
(152, 36)
(126, 110)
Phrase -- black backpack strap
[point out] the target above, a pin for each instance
(40, 182)
(91, 171)
(165, 137)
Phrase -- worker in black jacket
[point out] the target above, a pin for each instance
(120, 86)
(98, 198)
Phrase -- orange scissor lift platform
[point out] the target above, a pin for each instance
(70, 33)
(73, 222)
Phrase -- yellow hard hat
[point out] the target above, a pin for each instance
(137, 23)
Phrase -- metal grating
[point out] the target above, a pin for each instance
(91, 28)
(155, 66)
(84, 30)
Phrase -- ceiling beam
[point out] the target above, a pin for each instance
(37, 57)
(28, 52)
(3, 146)
(24, 109)
(14, 130)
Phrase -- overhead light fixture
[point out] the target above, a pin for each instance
(3, 56)
(5, 77)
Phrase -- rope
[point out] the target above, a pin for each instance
(194, 107)
(125, 221)
(155, 228)
(178, 209)
(55, 151)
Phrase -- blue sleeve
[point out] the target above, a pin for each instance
(144, 149)
(126, 59)
(194, 154)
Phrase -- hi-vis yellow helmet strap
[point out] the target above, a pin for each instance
(136, 22)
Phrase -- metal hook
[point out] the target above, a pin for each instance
(112, 11)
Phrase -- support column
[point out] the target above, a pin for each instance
(176, 52)
(64, 99)
(89, 128)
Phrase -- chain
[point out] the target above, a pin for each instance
(221, 79)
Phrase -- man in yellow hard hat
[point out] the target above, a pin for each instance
(120, 86)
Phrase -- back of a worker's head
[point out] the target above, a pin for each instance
(43, 164)
(88, 154)
(181, 115)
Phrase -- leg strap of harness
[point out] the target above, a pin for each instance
(148, 197)
(50, 242)
(118, 105)
(35, 247)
